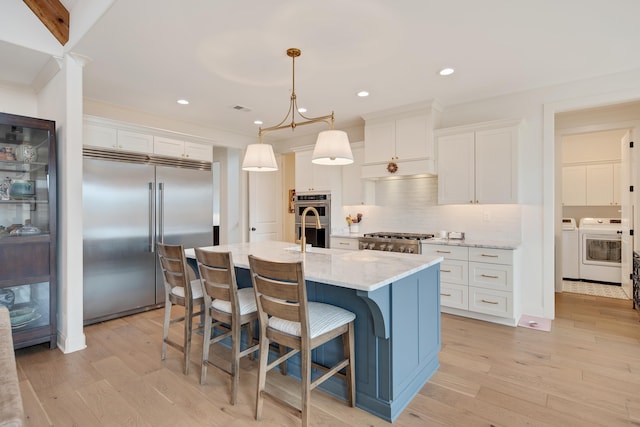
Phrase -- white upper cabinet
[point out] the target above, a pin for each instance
(133, 141)
(456, 168)
(98, 136)
(403, 136)
(312, 177)
(574, 186)
(478, 163)
(617, 184)
(184, 149)
(355, 190)
(591, 185)
(114, 139)
(496, 166)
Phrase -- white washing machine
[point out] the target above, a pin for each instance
(601, 249)
(570, 249)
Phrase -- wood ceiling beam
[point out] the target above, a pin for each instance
(53, 15)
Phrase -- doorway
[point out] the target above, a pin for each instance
(589, 151)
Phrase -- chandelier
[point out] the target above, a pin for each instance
(332, 146)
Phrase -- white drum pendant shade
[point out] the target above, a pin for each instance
(259, 158)
(332, 148)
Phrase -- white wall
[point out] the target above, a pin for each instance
(601, 146)
(19, 100)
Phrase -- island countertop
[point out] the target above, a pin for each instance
(359, 270)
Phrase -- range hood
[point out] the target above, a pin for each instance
(399, 142)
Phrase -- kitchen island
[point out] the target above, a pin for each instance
(396, 300)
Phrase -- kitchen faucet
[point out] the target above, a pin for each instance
(303, 238)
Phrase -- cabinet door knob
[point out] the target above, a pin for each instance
(253, 229)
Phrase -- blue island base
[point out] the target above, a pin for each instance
(397, 339)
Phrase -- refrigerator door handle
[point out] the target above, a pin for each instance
(161, 212)
(151, 233)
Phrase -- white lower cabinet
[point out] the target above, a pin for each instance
(477, 282)
(454, 274)
(344, 243)
(495, 303)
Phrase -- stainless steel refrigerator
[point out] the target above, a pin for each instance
(128, 207)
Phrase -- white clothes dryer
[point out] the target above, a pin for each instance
(570, 249)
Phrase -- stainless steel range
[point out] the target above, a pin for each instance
(393, 242)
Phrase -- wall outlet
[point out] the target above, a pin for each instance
(486, 216)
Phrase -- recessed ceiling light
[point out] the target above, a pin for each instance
(183, 102)
(257, 122)
(302, 110)
(446, 71)
(363, 93)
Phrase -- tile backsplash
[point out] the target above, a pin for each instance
(411, 205)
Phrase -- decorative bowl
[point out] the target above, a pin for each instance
(22, 189)
(7, 297)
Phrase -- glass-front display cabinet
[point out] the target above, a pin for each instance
(28, 228)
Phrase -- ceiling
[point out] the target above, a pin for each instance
(147, 54)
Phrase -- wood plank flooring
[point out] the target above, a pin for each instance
(585, 372)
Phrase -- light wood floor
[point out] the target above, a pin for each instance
(585, 372)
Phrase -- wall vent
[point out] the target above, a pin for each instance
(241, 108)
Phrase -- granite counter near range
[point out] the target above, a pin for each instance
(474, 243)
(396, 300)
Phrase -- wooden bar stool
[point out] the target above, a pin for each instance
(227, 309)
(181, 288)
(287, 318)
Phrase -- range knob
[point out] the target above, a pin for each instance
(401, 249)
(382, 246)
(410, 250)
(372, 245)
(390, 248)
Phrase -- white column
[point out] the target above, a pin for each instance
(60, 99)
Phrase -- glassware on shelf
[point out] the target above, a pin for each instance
(5, 185)
(26, 152)
(26, 230)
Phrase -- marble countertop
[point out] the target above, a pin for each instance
(348, 235)
(360, 270)
(494, 244)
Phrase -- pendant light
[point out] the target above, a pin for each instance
(332, 146)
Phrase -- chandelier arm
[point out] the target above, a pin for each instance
(293, 105)
(323, 119)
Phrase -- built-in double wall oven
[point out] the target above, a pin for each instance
(601, 249)
(322, 204)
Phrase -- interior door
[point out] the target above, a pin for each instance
(627, 214)
(265, 205)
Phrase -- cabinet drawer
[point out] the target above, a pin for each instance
(344, 243)
(491, 302)
(446, 251)
(454, 271)
(492, 276)
(493, 256)
(455, 296)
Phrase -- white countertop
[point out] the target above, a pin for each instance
(494, 244)
(360, 270)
